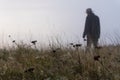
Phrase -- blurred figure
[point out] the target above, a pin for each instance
(92, 28)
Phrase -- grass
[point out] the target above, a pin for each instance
(60, 63)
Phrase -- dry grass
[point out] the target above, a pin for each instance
(60, 63)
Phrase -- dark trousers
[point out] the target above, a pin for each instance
(91, 40)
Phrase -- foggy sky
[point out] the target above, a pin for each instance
(41, 19)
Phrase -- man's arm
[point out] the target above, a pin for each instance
(98, 24)
(86, 27)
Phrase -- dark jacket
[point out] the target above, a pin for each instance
(92, 26)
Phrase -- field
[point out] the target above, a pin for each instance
(58, 62)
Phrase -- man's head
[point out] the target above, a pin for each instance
(89, 11)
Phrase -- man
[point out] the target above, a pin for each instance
(92, 28)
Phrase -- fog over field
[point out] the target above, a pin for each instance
(44, 19)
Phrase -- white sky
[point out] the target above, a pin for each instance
(38, 19)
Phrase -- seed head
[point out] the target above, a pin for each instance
(71, 44)
(13, 41)
(34, 42)
(77, 45)
(96, 58)
(29, 70)
(54, 51)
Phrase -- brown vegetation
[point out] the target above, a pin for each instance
(60, 63)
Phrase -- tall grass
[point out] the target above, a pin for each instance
(59, 62)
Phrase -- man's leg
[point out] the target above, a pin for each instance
(89, 44)
(89, 41)
(95, 42)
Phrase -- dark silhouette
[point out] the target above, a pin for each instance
(29, 70)
(96, 58)
(92, 28)
(34, 42)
